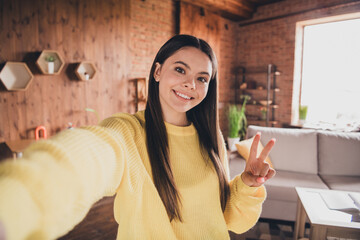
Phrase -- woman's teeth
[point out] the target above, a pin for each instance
(183, 95)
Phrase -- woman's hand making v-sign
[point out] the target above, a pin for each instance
(257, 170)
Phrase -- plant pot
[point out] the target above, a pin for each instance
(302, 114)
(231, 143)
(301, 121)
(51, 67)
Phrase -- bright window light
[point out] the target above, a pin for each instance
(330, 84)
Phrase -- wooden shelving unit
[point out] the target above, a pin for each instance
(16, 76)
(42, 62)
(85, 71)
(249, 81)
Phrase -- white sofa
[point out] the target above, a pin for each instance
(304, 158)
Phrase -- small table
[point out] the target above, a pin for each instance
(323, 221)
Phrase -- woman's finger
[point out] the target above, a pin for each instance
(265, 152)
(254, 146)
(260, 180)
(271, 173)
(264, 169)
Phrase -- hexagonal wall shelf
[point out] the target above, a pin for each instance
(85, 71)
(45, 59)
(16, 76)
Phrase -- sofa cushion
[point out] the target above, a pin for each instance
(294, 150)
(243, 147)
(343, 183)
(282, 185)
(339, 153)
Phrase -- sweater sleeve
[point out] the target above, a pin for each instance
(51, 189)
(244, 205)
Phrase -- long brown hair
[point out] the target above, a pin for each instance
(204, 116)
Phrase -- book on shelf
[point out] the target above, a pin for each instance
(342, 201)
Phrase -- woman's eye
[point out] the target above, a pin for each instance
(180, 70)
(202, 79)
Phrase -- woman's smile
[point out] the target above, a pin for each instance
(182, 96)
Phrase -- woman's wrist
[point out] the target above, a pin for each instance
(246, 180)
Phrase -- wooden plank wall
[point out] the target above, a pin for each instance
(95, 30)
(201, 23)
(210, 27)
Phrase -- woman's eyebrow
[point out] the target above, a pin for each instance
(181, 62)
(187, 66)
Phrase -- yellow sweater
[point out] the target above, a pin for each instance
(47, 192)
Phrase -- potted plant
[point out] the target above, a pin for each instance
(302, 114)
(50, 60)
(237, 123)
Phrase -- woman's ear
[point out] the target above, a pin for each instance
(157, 72)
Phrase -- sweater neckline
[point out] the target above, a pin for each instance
(173, 129)
(180, 130)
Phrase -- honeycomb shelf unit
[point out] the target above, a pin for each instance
(43, 60)
(85, 71)
(16, 76)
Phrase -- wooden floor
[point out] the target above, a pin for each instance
(99, 223)
(267, 229)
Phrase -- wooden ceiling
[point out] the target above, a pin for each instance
(235, 10)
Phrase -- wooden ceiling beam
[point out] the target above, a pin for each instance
(232, 9)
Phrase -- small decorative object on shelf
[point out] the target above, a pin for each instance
(263, 111)
(85, 71)
(50, 62)
(243, 86)
(265, 102)
(16, 76)
(87, 76)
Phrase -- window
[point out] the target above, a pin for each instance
(330, 74)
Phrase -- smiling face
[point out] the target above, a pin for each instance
(183, 83)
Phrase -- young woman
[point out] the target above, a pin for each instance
(166, 165)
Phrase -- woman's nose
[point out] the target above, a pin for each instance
(189, 83)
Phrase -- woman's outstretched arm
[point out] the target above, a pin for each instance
(247, 192)
(47, 192)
